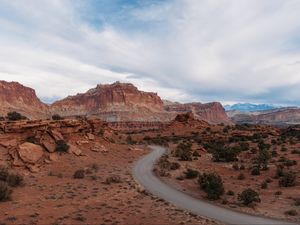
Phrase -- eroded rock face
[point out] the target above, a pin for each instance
(30, 153)
(114, 98)
(211, 112)
(48, 142)
(16, 97)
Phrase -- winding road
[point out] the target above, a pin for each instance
(143, 174)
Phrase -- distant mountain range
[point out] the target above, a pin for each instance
(249, 107)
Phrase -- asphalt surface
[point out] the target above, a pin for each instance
(143, 174)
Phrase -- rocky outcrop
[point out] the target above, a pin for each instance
(30, 153)
(112, 102)
(31, 143)
(16, 97)
(211, 112)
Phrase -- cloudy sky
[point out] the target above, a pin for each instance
(186, 50)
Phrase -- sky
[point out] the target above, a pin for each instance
(185, 50)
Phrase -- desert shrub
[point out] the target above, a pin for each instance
(5, 191)
(288, 179)
(241, 176)
(95, 167)
(279, 171)
(113, 179)
(255, 171)
(174, 166)
(297, 202)
(3, 173)
(57, 117)
(212, 185)
(291, 212)
(277, 193)
(62, 146)
(242, 167)
(264, 185)
(184, 152)
(191, 174)
(230, 192)
(244, 146)
(262, 157)
(221, 153)
(274, 153)
(15, 179)
(249, 196)
(226, 129)
(15, 116)
(196, 154)
(101, 133)
(79, 174)
(295, 151)
(289, 162)
(268, 180)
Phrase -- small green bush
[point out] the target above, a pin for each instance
(288, 179)
(191, 174)
(249, 196)
(79, 174)
(230, 192)
(15, 180)
(3, 173)
(15, 116)
(264, 185)
(62, 146)
(113, 179)
(5, 191)
(212, 185)
(291, 212)
(57, 117)
(184, 152)
(255, 171)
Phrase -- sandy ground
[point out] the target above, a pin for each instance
(53, 196)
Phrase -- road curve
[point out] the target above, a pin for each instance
(142, 173)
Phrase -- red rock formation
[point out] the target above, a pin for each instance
(117, 102)
(211, 112)
(110, 102)
(281, 116)
(16, 97)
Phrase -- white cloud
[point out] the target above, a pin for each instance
(185, 50)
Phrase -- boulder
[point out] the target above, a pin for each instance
(82, 142)
(90, 136)
(30, 153)
(75, 150)
(53, 157)
(56, 135)
(48, 143)
(99, 148)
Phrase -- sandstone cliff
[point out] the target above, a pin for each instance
(115, 102)
(16, 97)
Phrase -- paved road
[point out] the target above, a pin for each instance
(142, 172)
